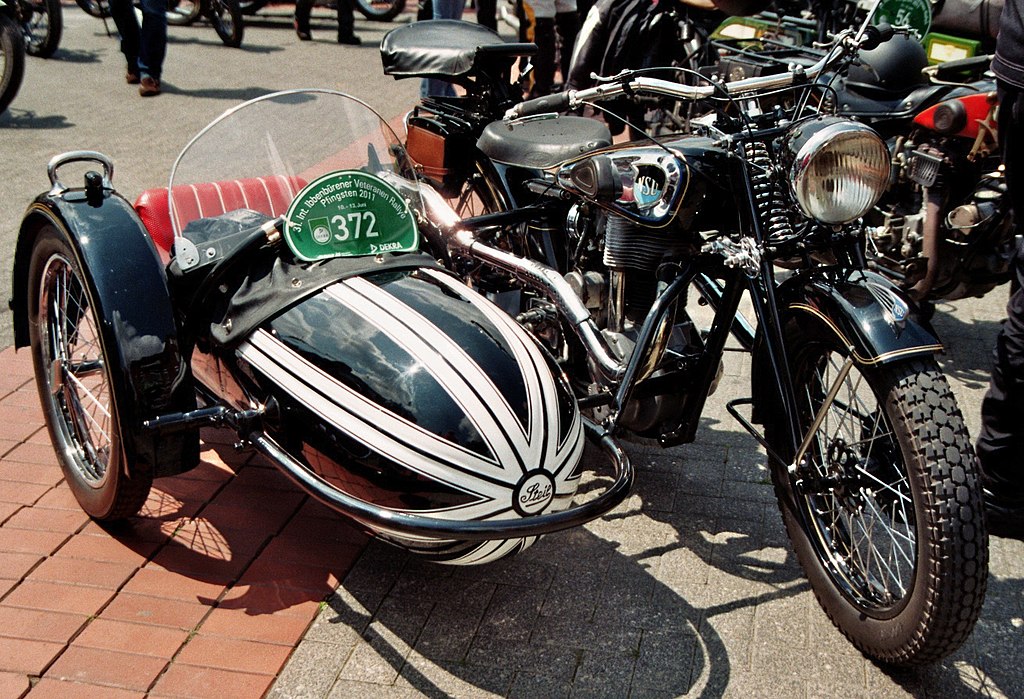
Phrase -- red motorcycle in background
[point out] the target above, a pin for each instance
(942, 230)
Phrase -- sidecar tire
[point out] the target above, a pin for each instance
(81, 408)
(925, 465)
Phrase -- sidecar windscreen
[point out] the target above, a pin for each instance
(299, 155)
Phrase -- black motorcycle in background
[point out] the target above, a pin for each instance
(30, 27)
(606, 254)
(373, 10)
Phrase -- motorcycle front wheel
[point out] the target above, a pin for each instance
(182, 13)
(95, 8)
(12, 61)
(380, 10)
(42, 21)
(226, 18)
(884, 510)
(71, 368)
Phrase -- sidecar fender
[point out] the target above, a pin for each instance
(148, 368)
(863, 310)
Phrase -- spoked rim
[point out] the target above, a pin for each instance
(36, 23)
(220, 13)
(77, 383)
(856, 498)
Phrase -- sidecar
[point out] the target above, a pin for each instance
(276, 287)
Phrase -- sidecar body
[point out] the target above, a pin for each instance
(381, 384)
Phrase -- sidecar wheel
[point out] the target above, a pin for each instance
(885, 514)
(71, 368)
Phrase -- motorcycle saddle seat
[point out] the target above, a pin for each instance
(858, 100)
(544, 141)
(446, 48)
(268, 195)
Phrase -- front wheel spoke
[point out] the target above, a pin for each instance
(888, 566)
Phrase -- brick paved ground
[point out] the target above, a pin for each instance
(216, 589)
(204, 594)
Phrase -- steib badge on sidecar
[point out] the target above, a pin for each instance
(349, 213)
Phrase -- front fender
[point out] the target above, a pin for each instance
(865, 311)
(147, 366)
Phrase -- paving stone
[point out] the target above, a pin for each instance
(311, 671)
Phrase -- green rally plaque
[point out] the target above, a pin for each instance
(349, 213)
(916, 14)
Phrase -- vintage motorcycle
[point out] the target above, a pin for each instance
(12, 56)
(605, 252)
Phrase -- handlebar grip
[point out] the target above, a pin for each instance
(558, 102)
(875, 35)
(972, 66)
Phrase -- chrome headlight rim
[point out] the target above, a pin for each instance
(806, 152)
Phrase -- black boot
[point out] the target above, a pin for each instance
(303, 8)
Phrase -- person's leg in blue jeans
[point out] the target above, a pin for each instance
(442, 9)
(153, 46)
(143, 48)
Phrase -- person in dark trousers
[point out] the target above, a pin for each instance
(1000, 444)
(144, 47)
(552, 25)
(346, 22)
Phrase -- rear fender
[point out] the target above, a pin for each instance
(148, 367)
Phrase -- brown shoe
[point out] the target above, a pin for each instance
(149, 87)
(131, 78)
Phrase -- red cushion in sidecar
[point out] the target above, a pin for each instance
(268, 195)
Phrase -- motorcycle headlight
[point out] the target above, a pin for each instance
(838, 168)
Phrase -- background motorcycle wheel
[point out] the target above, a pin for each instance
(12, 61)
(74, 384)
(251, 7)
(42, 21)
(182, 13)
(226, 18)
(95, 8)
(380, 10)
(891, 539)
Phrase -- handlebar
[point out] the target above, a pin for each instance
(629, 83)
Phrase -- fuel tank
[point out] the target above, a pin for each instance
(407, 390)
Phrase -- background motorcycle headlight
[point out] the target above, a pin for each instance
(838, 169)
